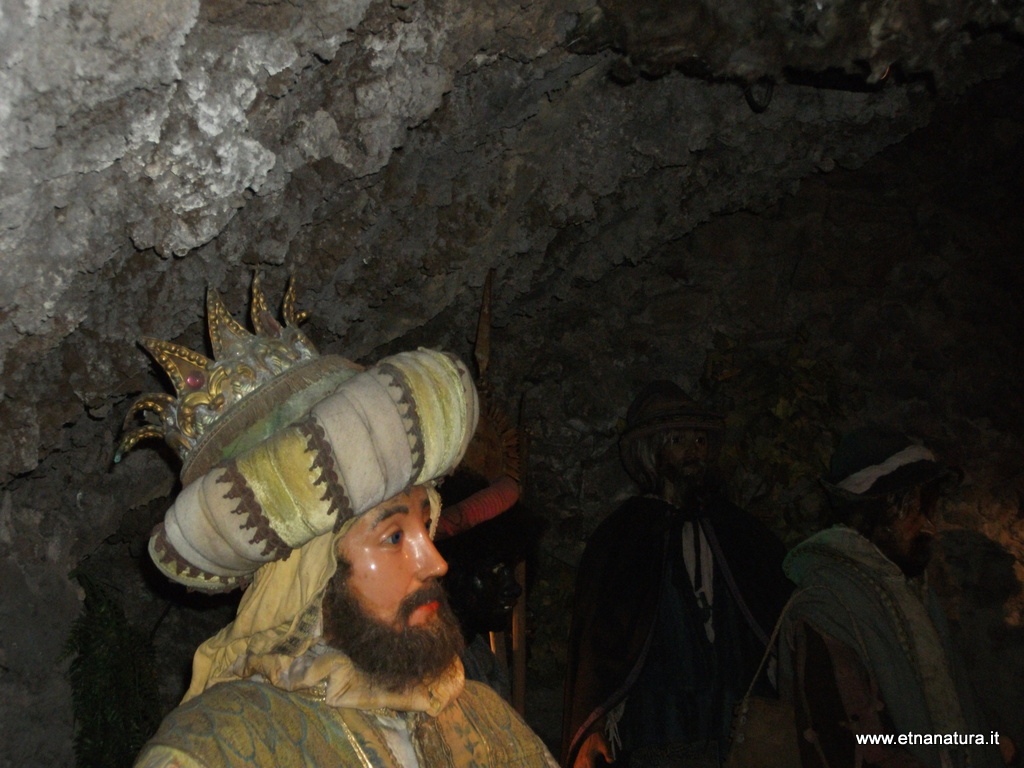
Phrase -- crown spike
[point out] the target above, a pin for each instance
(263, 321)
(292, 318)
(186, 369)
(132, 438)
(226, 333)
(159, 403)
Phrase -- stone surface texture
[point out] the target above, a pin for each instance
(662, 190)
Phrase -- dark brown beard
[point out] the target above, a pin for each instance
(394, 659)
(911, 557)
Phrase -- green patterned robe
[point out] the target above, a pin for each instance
(253, 724)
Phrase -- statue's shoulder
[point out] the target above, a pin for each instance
(254, 699)
(482, 721)
(480, 695)
(636, 509)
(161, 756)
(240, 723)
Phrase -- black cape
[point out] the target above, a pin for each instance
(619, 593)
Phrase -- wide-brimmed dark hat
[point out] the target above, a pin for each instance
(872, 462)
(661, 406)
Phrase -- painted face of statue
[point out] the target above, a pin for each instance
(682, 462)
(385, 607)
(907, 540)
(392, 556)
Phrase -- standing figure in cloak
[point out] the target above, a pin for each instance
(676, 596)
(865, 648)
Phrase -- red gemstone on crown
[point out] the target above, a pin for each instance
(195, 380)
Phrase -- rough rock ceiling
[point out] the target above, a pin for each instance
(391, 154)
(840, 43)
(395, 152)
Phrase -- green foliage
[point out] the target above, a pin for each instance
(785, 406)
(113, 682)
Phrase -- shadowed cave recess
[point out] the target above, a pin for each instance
(806, 214)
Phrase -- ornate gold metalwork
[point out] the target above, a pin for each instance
(206, 389)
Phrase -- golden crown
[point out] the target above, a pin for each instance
(205, 389)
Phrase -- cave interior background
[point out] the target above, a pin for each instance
(849, 254)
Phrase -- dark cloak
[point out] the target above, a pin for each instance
(623, 583)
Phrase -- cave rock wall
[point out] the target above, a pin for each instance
(389, 154)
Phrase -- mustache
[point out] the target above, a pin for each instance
(428, 593)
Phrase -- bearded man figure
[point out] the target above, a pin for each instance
(865, 649)
(309, 481)
(676, 596)
(400, 629)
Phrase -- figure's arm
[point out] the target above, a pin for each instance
(602, 744)
(837, 699)
(594, 749)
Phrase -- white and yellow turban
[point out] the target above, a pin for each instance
(404, 421)
(280, 444)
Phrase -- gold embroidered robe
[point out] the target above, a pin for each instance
(254, 724)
